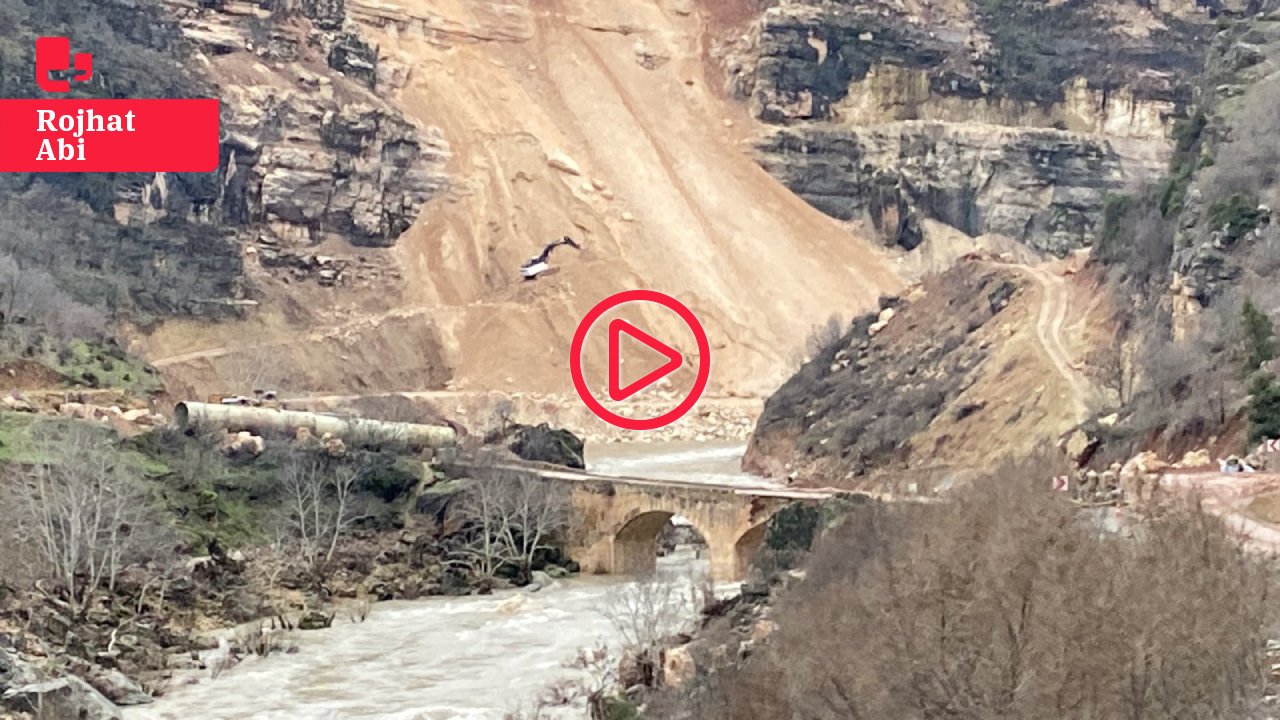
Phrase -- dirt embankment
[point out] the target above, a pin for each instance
(975, 363)
(599, 120)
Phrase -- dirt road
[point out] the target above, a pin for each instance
(1231, 496)
(1055, 303)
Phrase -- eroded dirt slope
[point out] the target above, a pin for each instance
(983, 361)
(658, 188)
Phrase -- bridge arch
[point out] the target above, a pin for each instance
(635, 544)
(745, 548)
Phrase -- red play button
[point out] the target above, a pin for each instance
(670, 361)
(616, 390)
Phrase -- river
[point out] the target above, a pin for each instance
(469, 658)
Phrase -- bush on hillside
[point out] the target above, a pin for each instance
(1008, 602)
(1259, 337)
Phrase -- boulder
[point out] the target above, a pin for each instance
(334, 446)
(558, 160)
(242, 444)
(65, 697)
(314, 620)
(539, 580)
(17, 404)
(1079, 446)
(117, 687)
(1195, 458)
(1144, 463)
(73, 409)
(543, 443)
(678, 668)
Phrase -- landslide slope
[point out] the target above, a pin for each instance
(597, 119)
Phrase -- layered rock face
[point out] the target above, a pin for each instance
(993, 116)
(1043, 187)
(310, 149)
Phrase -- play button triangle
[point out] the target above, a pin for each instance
(673, 359)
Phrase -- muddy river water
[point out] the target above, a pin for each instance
(470, 658)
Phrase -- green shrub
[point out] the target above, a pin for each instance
(1236, 216)
(1264, 408)
(1187, 134)
(1259, 337)
(793, 528)
(387, 476)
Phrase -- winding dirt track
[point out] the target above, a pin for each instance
(1055, 302)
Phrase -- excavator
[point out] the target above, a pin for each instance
(539, 264)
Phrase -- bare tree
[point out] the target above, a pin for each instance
(645, 614)
(319, 504)
(254, 368)
(1111, 367)
(501, 417)
(83, 511)
(32, 303)
(823, 336)
(1007, 602)
(514, 517)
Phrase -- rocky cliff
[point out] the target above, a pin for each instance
(310, 152)
(997, 117)
(1150, 345)
(584, 118)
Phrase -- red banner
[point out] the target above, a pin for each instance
(109, 135)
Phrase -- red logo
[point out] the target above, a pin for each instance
(97, 135)
(53, 54)
(674, 360)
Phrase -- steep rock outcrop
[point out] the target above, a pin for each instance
(1043, 187)
(310, 149)
(1092, 87)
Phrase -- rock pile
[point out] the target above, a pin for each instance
(24, 688)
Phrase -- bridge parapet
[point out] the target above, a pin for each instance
(616, 520)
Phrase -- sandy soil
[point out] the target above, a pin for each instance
(666, 199)
(1032, 387)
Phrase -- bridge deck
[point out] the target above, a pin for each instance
(555, 472)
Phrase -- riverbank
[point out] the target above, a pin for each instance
(455, 658)
(444, 658)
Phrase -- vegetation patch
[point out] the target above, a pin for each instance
(1236, 216)
(1003, 602)
(1187, 135)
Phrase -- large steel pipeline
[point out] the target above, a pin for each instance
(263, 420)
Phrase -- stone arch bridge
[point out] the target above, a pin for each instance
(616, 520)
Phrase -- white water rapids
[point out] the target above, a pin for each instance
(461, 658)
